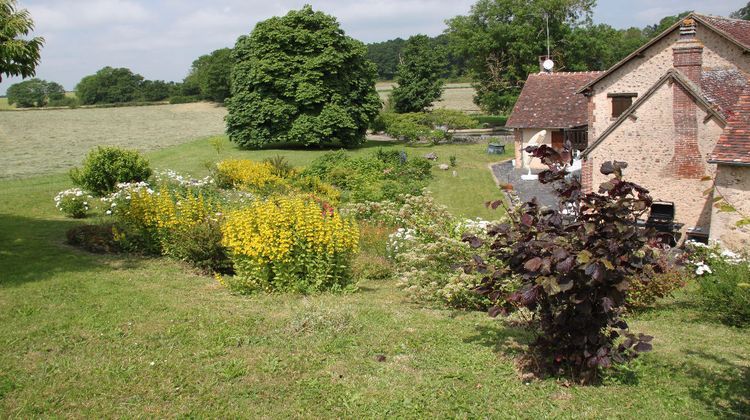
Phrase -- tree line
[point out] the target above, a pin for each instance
(496, 45)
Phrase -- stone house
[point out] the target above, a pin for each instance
(673, 110)
(549, 102)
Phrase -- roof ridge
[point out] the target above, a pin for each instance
(720, 17)
(569, 72)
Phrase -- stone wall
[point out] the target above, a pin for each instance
(733, 184)
(640, 73)
(647, 144)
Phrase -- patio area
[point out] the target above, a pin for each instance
(505, 173)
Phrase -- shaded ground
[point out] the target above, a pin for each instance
(505, 173)
(44, 141)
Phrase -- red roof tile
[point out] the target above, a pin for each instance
(738, 30)
(549, 100)
(723, 88)
(733, 146)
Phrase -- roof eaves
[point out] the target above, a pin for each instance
(728, 162)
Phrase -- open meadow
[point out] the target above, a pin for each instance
(84, 335)
(458, 96)
(45, 141)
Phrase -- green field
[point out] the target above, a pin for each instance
(84, 335)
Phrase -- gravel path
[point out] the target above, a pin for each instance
(505, 173)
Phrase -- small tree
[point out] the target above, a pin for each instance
(574, 269)
(300, 79)
(34, 93)
(110, 85)
(418, 78)
(18, 56)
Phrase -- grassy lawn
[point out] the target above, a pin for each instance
(83, 335)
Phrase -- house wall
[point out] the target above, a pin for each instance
(526, 135)
(733, 184)
(639, 74)
(647, 144)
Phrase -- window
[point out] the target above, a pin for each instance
(621, 102)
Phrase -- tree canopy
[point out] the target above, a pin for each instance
(743, 13)
(419, 76)
(109, 85)
(502, 40)
(18, 56)
(211, 73)
(300, 79)
(34, 93)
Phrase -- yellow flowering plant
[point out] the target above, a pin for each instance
(249, 175)
(291, 243)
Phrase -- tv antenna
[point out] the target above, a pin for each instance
(548, 64)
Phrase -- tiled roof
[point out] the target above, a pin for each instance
(738, 30)
(549, 100)
(723, 88)
(733, 146)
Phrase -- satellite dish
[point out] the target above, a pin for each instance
(548, 64)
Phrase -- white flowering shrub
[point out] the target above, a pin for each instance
(74, 202)
(172, 178)
(724, 280)
(427, 249)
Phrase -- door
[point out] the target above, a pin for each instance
(558, 140)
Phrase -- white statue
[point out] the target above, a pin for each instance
(535, 140)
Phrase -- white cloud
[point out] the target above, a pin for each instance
(86, 14)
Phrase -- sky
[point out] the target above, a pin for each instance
(159, 39)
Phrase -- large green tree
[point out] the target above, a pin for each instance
(18, 56)
(211, 74)
(419, 80)
(299, 79)
(34, 93)
(110, 85)
(502, 40)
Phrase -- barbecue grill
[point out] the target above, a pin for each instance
(661, 219)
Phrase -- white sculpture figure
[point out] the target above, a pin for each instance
(535, 140)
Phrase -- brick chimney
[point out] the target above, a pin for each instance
(687, 161)
(688, 52)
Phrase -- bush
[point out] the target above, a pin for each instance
(200, 246)
(644, 292)
(248, 175)
(382, 176)
(491, 120)
(425, 248)
(180, 99)
(450, 119)
(724, 280)
(298, 79)
(73, 203)
(105, 167)
(290, 244)
(574, 269)
(148, 221)
(65, 101)
(98, 239)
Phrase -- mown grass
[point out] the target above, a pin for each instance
(83, 335)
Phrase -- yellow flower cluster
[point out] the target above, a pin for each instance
(247, 174)
(165, 210)
(287, 228)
